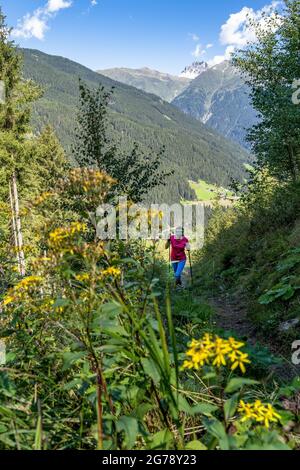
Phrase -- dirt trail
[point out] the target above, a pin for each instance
(231, 316)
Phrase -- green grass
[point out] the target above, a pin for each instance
(207, 192)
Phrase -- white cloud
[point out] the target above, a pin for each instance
(194, 37)
(94, 3)
(199, 51)
(56, 5)
(31, 25)
(220, 58)
(237, 32)
(36, 24)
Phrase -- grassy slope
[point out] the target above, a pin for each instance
(250, 254)
(207, 192)
(192, 150)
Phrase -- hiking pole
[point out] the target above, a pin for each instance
(191, 268)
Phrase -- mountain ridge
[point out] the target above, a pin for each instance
(216, 95)
(194, 70)
(220, 99)
(164, 85)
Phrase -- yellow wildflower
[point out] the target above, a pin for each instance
(21, 290)
(199, 354)
(111, 272)
(234, 344)
(42, 198)
(239, 360)
(62, 239)
(217, 352)
(9, 299)
(222, 348)
(89, 180)
(247, 410)
(259, 412)
(82, 277)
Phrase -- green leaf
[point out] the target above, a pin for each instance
(195, 445)
(204, 409)
(209, 376)
(61, 303)
(70, 358)
(142, 410)
(173, 338)
(110, 309)
(230, 406)
(237, 383)
(130, 427)
(7, 441)
(162, 440)
(282, 290)
(10, 357)
(111, 327)
(273, 446)
(217, 429)
(151, 370)
(184, 406)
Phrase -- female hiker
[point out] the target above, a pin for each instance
(178, 243)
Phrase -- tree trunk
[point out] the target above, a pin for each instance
(13, 223)
(17, 224)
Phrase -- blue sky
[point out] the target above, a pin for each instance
(164, 35)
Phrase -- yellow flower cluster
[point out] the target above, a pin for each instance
(62, 239)
(42, 198)
(89, 179)
(111, 272)
(21, 290)
(82, 277)
(216, 351)
(259, 412)
(4, 208)
(48, 304)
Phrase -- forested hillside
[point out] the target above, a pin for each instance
(192, 150)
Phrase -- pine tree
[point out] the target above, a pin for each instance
(271, 65)
(36, 161)
(135, 171)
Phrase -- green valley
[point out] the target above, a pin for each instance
(209, 192)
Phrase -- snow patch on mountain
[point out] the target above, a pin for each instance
(193, 71)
